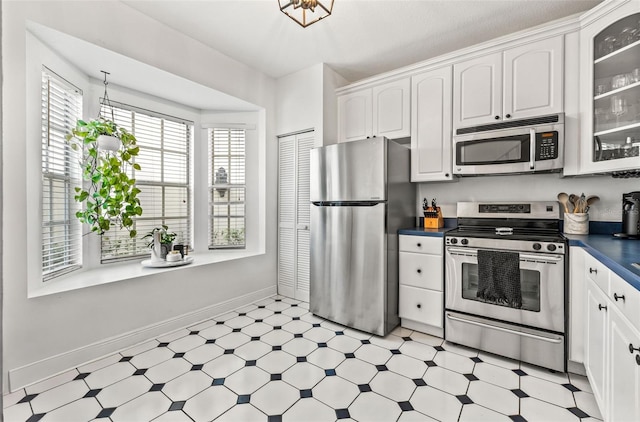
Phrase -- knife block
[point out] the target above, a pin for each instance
(433, 218)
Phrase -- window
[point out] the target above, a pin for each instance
(164, 179)
(61, 231)
(226, 188)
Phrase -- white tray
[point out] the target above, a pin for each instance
(166, 264)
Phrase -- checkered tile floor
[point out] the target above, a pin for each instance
(275, 361)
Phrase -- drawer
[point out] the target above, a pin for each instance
(421, 305)
(597, 272)
(626, 298)
(421, 270)
(420, 244)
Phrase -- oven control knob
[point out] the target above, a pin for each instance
(551, 248)
(537, 246)
(454, 240)
(465, 241)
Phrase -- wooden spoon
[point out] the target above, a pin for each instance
(573, 199)
(563, 198)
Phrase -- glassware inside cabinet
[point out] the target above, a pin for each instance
(616, 90)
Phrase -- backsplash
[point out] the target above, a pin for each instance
(530, 187)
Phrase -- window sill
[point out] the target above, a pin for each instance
(111, 273)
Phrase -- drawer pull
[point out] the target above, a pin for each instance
(593, 270)
(616, 297)
(601, 307)
(419, 306)
(419, 271)
(633, 349)
(419, 245)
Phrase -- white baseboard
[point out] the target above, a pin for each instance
(54, 365)
(423, 328)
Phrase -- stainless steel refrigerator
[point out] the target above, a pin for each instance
(361, 195)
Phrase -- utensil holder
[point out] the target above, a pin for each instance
(577, 223)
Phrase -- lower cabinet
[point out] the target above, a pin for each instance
(612, 349)
(595, 341)
(624, 370)
(421, 283)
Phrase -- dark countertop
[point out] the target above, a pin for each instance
(617, 254)
(419, 231)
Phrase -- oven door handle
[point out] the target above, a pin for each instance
(532, 148)
(474, 252)
(506, 330)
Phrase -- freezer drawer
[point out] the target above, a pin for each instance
(349, 283)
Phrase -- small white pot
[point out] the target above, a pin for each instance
(108, 143)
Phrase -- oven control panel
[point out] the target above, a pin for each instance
(532, 246)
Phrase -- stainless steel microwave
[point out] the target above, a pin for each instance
(516, 146)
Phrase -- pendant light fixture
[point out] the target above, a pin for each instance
(306, 12)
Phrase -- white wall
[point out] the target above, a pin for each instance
(307, 100)
(535, 187)
(72, 323)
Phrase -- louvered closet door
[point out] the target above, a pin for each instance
(304, 144)
(294, 215)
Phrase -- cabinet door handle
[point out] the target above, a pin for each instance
(600, 307)
(419, 271)
(419, 306)
(633, 349)
(616, 297)
(508, 116)
(638, 360)
(497, 117)
(593, 270)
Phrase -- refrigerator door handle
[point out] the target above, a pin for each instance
(347, 203)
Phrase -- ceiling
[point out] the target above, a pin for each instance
(361, 38)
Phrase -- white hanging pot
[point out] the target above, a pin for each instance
(108, 143)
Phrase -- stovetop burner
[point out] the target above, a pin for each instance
(531, 226)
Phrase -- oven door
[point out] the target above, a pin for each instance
(542, 281)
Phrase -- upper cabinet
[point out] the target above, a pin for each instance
(610, 85)
(383, 110)
(520, 82)
(431, 94)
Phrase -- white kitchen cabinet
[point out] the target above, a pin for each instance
(520, 82)
(610, 89)
(577, 301)
(624, 393)
(612, 342)
(431, 97)
(595, 341)
(383, 110)
(421, 283)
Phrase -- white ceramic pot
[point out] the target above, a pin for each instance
(576, 223)
(108, 143)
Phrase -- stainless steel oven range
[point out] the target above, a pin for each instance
(505, 286)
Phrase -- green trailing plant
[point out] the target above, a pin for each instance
(166, 238)
(109, 195)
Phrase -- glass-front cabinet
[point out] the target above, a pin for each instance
(611, 87)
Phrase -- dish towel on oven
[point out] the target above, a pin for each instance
(499, 277)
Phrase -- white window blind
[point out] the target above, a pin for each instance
(226, 188)
(61, 230)
(164, 179)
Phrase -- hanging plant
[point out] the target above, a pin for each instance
(110, 195)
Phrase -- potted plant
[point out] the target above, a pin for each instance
(164, 237)
(110, 195)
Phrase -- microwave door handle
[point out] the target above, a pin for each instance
(532, 148)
